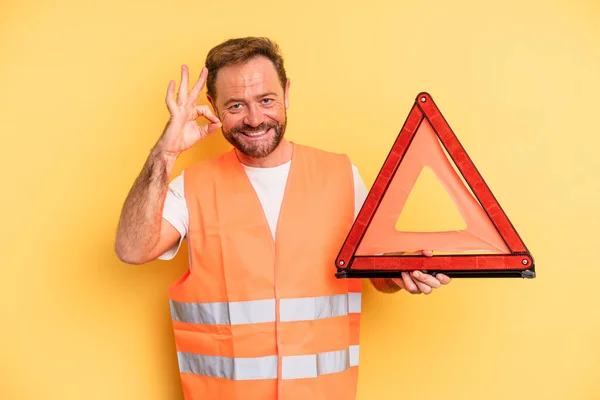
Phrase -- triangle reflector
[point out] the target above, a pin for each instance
(489, 243)
(440, 213)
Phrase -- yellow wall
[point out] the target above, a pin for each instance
(82, 88)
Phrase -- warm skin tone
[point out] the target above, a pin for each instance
(250, 104)
(250, 97)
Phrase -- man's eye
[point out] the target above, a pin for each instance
(236, 106)
(267, 101)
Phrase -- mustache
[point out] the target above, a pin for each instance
(251, 129)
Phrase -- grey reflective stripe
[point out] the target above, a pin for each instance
(233, 313)
(314, 365)
(292, 367)
(259, 311)
(312, 308)
(200, 313)
(354, 351)
(239, 369)
(332, 362)
(252, 312)
(354, 302)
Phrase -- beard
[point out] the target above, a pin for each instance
(256, 150)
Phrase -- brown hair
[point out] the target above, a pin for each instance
(238, 51)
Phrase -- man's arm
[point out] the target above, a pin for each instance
(143, 234)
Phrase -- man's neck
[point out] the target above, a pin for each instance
(282, 154)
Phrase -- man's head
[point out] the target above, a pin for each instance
(248, 88)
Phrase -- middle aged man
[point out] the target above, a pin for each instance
(259, 314)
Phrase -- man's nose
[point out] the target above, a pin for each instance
(254, 116)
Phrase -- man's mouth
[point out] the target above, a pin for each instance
(255, 134)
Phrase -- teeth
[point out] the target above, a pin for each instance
(254, 134)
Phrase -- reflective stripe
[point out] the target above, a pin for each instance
(312, 308)
(354, 352)
(234, 313)
(332, 362)
(314, 365)
(354, 302)
(258, 311)
(252, 312)
(200, 313)
(292, 367)
(296, 367)
(238, 369)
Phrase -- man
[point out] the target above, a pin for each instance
(259, 314)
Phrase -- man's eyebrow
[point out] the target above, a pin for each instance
(233, 101)
(260, 96)
(267, 94)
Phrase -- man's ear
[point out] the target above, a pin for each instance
(212, 104)
(286, 95)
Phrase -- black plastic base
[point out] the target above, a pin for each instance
(526, 274)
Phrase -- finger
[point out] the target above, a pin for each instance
(409, 284)
(184, 86)
(427, 253)
(206, 112)
(444, 279)
(169, 99)
(210, 128)
(427, 279)
(195, 93)
(423, 287)
(422, 281)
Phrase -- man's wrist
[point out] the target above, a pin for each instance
(168, 157)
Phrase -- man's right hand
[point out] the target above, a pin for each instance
(182, 131)
(143, 234)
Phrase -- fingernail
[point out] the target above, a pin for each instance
(416, 274)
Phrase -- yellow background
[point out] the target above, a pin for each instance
(82, 102)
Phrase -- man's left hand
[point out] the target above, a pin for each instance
(415, 282)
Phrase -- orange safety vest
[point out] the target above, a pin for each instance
(258, 319)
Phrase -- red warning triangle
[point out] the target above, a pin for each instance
(494, 249)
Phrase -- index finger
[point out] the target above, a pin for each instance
(205, 111)
(199, 85)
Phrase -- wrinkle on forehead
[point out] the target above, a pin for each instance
(252, 78)
(244, 83)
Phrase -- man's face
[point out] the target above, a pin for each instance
(251, 105)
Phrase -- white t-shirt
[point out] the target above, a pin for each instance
(269, 184)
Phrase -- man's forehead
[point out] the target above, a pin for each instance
(256, 74)
(234, 80)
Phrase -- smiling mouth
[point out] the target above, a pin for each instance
(255, 134)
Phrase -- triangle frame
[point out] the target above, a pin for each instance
(518, 262)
